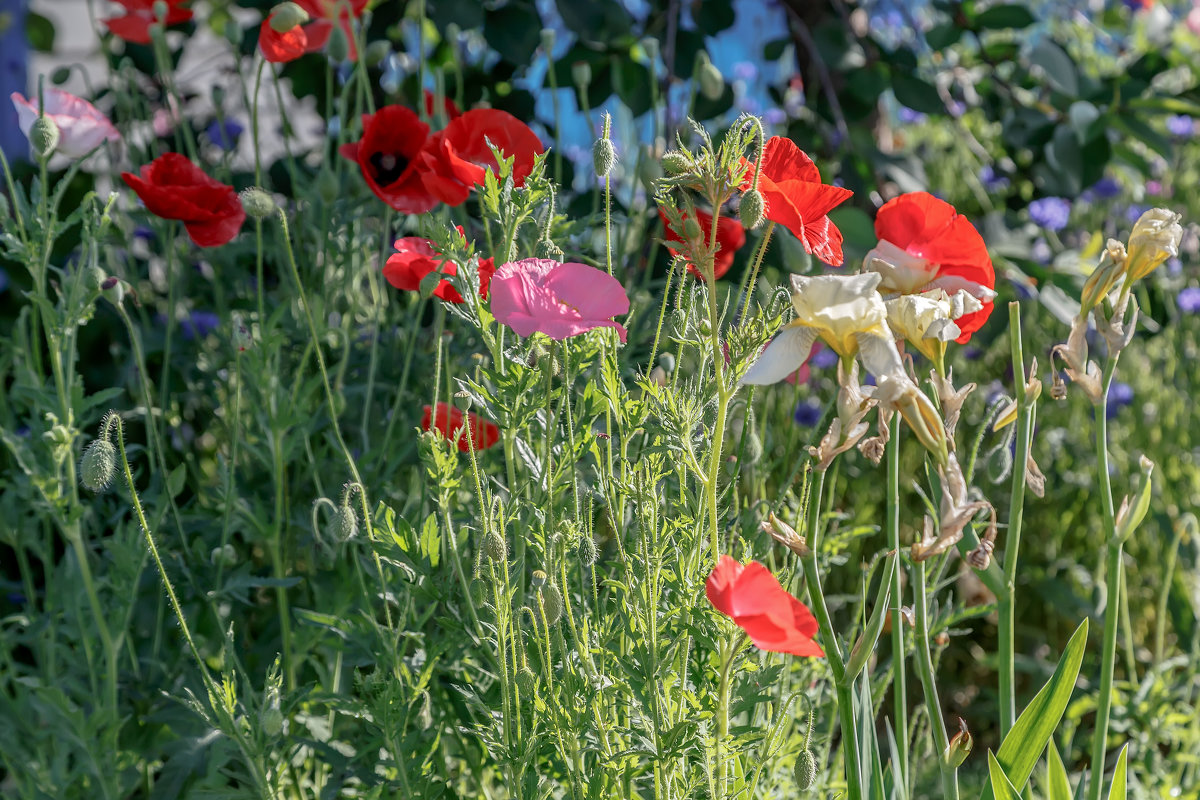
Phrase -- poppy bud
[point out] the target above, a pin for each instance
(539, 579)
(692, 230)
(588, 552)
(257, 203)
(604, 157)
(223, 556)
(494, 548)
(752, 209)
(60, 76)
(377, 51)
(339, 45)
(548, 37)
(552, 603)
(705, 327)
(754, 448)
(712, 83)
(94, 278)
(806, 770)
(549, 250)
(286, 16)
(44, 136)
(677, 162)
(581, 73)
(667, 361)
(113, 290)
(344, 525)
(658, 376)
(98, 465)
(271, 717)
(526, 681)
(233, 33)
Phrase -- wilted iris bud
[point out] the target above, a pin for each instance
(959, 748)
(1155, 238)
(1104, 277)
(286, 16)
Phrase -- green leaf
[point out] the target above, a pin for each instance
(1000, 784)
(1023, 745)
(431, 541)
(176, 479)
(917, 94)
(865, 646)
(1117, 790)
(1131, 515)
(40, 32)
(1006, 16)
(1058, 788)
(1058, 67)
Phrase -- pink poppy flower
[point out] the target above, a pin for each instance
(559, 300)
(81, 127)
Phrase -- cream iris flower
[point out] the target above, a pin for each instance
(926, 320)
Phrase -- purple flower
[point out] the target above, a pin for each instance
(908, 116)
(808, 413)
(1051, 213)
(992, 181)
(199, 324)
(1135, 211)
(774, 116)
(745, 71)
(1180, 125)
(1041, 252)
(1174, 266)
(1153, 187)
(824, 358)
(224, 136)
(1119, 396)
(1188, 300)
(1106, 188)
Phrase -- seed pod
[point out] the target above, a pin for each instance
(286, 16)
(494, 547)
(752, 208)
(44, 136)
(604, 157)
(548, 38)
(552, 603)
(257, 203)
(806, 770)
(539, 579)
(98, 465)
(344, 525)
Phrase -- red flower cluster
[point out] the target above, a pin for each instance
(415, 258)
(731, 236)
(928, 228)
(134, 24)
(772, 618)
(312, 36)
(412, 170)
(796, 199)
(172, 187)
(449, 422)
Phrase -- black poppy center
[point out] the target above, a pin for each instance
(388, 167)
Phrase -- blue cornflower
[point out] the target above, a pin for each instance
(1135, 211)
(1106, 188)
(1180, 125)
(1051, 213)
(992, 181)
(1119, 395)
(199, 324)
(808, 413)
(824, 358)
(1188, 300)
(224, 136)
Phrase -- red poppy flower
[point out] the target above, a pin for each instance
(451, 108)
(279, 48)
(415, 258)
(134, 24)
(449, 423)
(772, 618)
(731, 236)
(795, 198)
(172, 187)
(458, 156)
(393, 139)
(925, 244)
(326, 13)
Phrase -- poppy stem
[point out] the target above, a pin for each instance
(899, 653)
(748, 292)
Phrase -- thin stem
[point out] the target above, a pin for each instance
(929, 683)
(723, 394)
(758, 259)
(899, 678)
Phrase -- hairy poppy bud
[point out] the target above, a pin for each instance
(754, 448)
(94, 278)
(552, 603)
(344, 525)
(233, 33)
(692, 230)
(494, 547)
(60, 76)
(677, 162)
(257, 203)
(161, 9)
(539, 579)
(98, 465)
(44, 136)
(581, 73)
(752, 208)
(667, 361)
(271, 717)
(588, 552)
(286, 16)
(526, 681)
(377, 51)
(549, 250)
(338, 47)
(604, 157)
(709, 78)
(806, 769)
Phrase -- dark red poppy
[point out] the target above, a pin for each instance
(388, 155)
(416, 257)
(796, 199)
(731, 236)
(451, 108)
(134, 24)
(458, 156)
(172, 187)
(954, 253)
(753, 598)
(449, 423)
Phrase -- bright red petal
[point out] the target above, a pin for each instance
(914, 217)
(720, 584)
(278, 47)
(133, 28)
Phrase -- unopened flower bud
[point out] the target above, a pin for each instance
(539, 579)
(667, 362)
(338, 47)
(98, 465)
(710, 80)
(552, 603)
(224, 556)
(959, 748)
(581, 73)
(94, 278)
(377, 52)
(493, 547)
(659, 377)
(677, 162)
(161, 9)
(548, 38)
(752, 208)
(604, 157)
(692, 230)
(44, 135)
(257, 203)
(588, 552)
(344, 525)
(549, 250)
(286, 16)
(1155, 238)
(806, 770)
(271, 718)
(233, 33)
(526, 682)
(113, 289)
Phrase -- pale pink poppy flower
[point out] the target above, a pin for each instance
(559, 300)
(82, 128)
(1193, 19)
